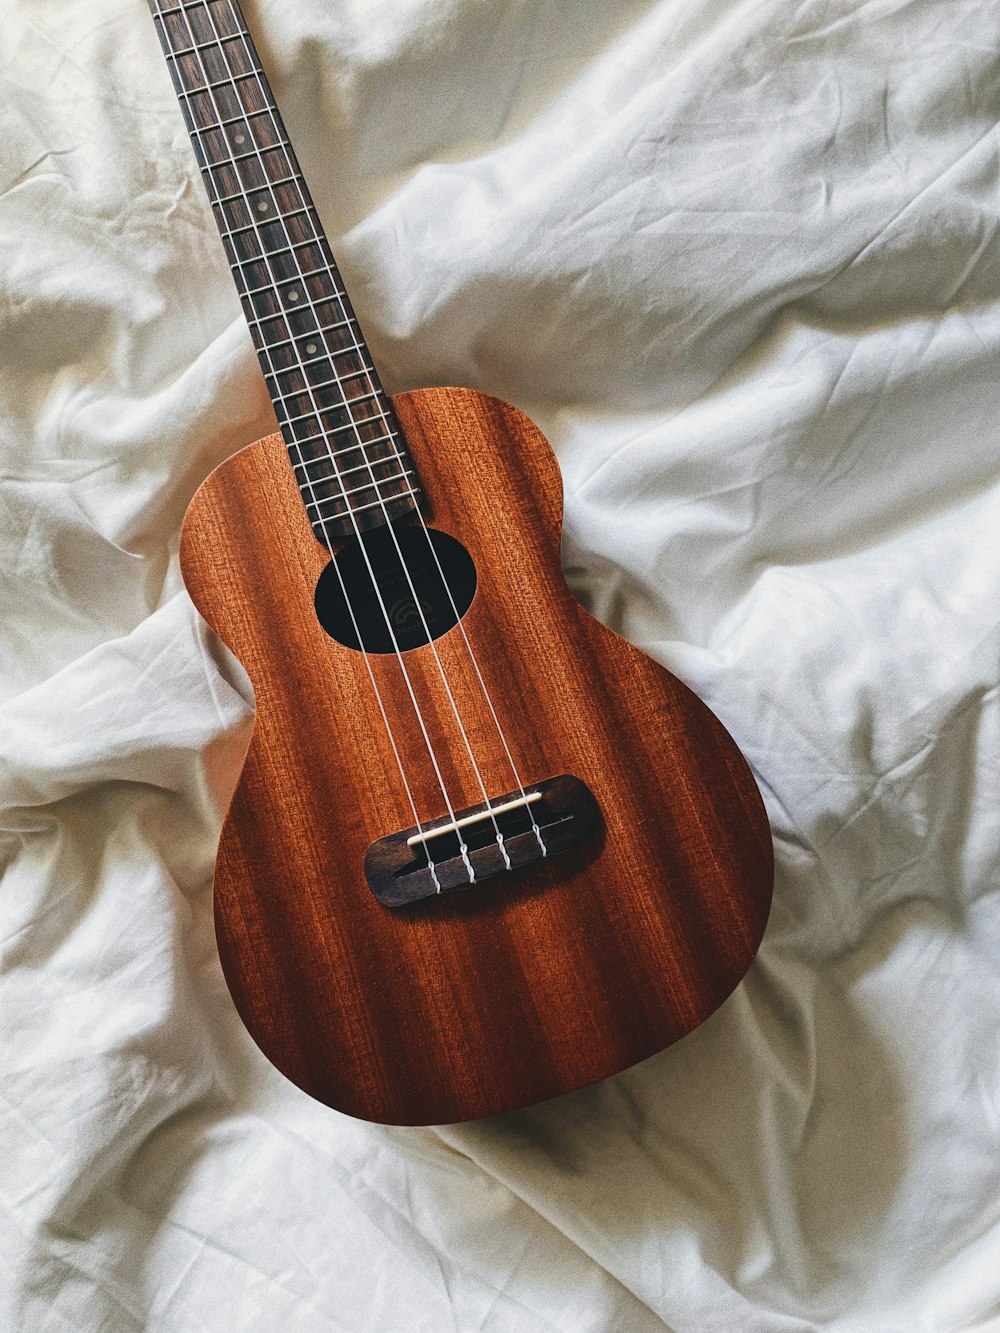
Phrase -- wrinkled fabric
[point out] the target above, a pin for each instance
(739, 260)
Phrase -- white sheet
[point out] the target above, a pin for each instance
(740, 262)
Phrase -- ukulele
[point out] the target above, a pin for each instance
(483, 851)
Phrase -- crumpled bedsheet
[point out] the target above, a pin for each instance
(739, 260)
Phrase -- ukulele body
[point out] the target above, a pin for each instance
(525, 985)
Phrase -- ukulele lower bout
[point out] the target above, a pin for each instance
(576, 964)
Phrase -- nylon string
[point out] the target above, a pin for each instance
(366, 374)
(463, 847)
(458, 619)
(392, 740)
(383, 504)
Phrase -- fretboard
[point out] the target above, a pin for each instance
(343, 439)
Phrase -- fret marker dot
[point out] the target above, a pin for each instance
(311, 349)
(293, 296)
(239, 138)
(263, 206)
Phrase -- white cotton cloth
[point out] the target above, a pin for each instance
(739, 259)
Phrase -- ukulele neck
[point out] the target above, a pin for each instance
(343, 439)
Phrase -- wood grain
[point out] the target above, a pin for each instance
(541, 982)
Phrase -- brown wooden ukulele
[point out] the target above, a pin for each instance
(483, 851)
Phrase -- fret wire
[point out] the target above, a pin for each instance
(390, 437)
(280, 282)
(238, 157)
(287, 342)
(198, 48)
(355, 349)
(244, 195)
(188, 94)
(357, 490)
(258, 150)
(375, 504)
(258, 229)
(350, 449)
(230, 233)
(333, 499)
(320, 529)
(310, 304)
(185, 5)
(287, 249)
(200, 131)
(263, 222)
(366, 372)
(272, 254)
(322, 532)
(239, 120)
(299, 365)
(362, 467)
(304, 416)
(281, 314)
(208, 167)
(348, 402)
(328, 269)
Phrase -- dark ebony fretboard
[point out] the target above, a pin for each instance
(343, 439)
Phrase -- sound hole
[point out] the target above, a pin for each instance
(400, 556)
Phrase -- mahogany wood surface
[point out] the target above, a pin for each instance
(534, 983)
